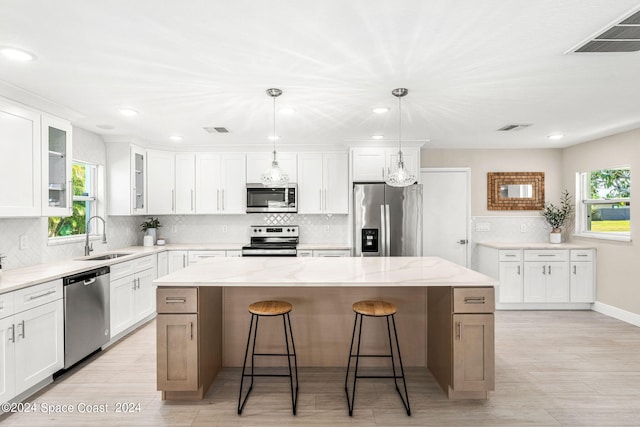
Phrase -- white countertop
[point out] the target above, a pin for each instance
(525, 245)
(326, 272)
(11, 280)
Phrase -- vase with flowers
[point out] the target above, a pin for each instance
(150, 228)
(556, 216)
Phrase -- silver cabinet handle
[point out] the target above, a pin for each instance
(191, 330)
(510, 255)
(325, 200)
(184, 261)
(173, 200)
(23, 334)
(383, 232)
(463, 241)
(460, 331)
(218, 199)
(133, 286)
(382, 171)
(474, 300)
(70, 196)
(387, 226)
(574, 270)
(543, 270)
(320, 200)
(223, 199)
(32, 297)
(192, 200)
(174, 300)
(12, 338)
(518, 270)
(549, 270)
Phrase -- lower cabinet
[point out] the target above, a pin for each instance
(324, 253)
(32, 337)
(189, 324)
(131, 293)
(461, 341)
(177, 260)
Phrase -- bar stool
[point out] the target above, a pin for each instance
(375, 309)
(269, 308)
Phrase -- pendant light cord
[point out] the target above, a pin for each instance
(274, 128)
(400, 125)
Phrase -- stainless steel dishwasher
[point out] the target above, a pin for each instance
(86, 314)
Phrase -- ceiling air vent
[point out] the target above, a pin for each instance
(514, 127)
(213, 129)
(623, 36)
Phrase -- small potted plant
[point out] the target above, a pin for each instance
(557, 215)
(150, 228)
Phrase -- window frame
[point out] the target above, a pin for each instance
(95, 198)
(584, 203)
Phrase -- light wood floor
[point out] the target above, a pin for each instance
(552, 368)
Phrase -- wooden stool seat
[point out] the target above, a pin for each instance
(270, 308)
(375, 308)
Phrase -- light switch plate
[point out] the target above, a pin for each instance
(24, 242)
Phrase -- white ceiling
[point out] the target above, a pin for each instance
(470, 66)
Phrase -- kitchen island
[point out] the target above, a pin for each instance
(445, 317)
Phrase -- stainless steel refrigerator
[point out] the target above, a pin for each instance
(387, 220)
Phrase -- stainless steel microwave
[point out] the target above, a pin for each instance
(272, 199)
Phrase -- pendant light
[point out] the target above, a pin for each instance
(400, 177)
(274, 175)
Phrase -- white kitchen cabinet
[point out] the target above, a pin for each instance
(373, 164)
(132, 294)
(200, 256)
(31, 337)
(126, 179)
(233, 253)
(161, 192)
(163, 263)
(177, 260)
(57, 186)
(324, 252)
(259, 163)
(323, 183)
(546, 276)
(511, 276)
(20, 161)
(220, 183)
(185, 186)
(582, 276)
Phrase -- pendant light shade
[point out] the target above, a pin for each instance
(274, 175)
(400, 176)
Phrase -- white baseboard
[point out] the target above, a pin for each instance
(617, 313)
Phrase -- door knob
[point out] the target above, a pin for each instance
(463, 241)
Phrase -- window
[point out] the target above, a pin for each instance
(604, 206)
(85, 202)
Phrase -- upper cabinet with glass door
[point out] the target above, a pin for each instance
(57, 189)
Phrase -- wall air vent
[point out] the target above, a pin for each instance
(514, 127)
(214, 129)
(623, 36)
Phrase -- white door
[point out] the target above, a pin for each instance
(446, 214)
(39, 344)
(7, 359)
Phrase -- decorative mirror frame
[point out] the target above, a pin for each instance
(497, 179)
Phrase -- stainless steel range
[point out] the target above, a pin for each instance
(267, 240)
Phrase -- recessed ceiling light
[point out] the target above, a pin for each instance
(381, 110)
(176, 138)
(271, 137)
(106, 127)
(555, 136)
(128, 112)
(17, 54)
(287, 110)
(377, 137)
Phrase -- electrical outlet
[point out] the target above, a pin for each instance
(224, 229)
(128, 231)
(483, 226)
(24, 242)
(523, 228)
(174, 228)
(326, 229)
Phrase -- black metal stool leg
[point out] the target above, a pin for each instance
(355, 374)
(286, 340)
(404, 381)
(295, 356)
(244, 365)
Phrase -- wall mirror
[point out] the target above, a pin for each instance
(520, 191)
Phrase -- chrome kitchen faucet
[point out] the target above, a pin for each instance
(89, 247)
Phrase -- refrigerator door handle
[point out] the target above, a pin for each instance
(383, 231)
(387, 237)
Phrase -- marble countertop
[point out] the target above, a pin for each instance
(326, 272)
(526, 245)
(14, 279)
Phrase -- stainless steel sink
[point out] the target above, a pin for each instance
(104, 257)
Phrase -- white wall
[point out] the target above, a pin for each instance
(618, 268)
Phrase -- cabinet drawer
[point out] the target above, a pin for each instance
(145, 263)
(37, 295)
(122, 269)
(200, 256)
(546, 255)
(332, 253)
(6, 304)
(473, 300)
(511, 255)
(582, 255)
(177, 300)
